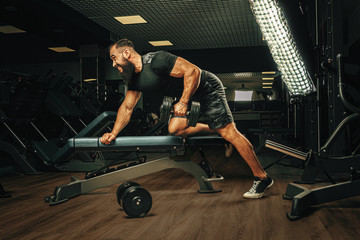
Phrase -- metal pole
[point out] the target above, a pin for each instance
(69, 125)
(318, 76)
(82, 122)
(38, 131)
(81, 76)
(13, 133)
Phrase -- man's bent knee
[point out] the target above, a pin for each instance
(174, 130)
(228, 132)
(177, 126)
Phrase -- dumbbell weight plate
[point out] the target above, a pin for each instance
(165, 108)
(194, 114)
(122, 188)
(136, 201)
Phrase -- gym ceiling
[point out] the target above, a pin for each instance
(218, 35)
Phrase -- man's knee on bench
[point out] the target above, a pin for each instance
(177, 126)
(175, 130)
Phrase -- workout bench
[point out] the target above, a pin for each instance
(175, 146)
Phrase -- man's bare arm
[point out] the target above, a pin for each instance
(123, 116)
(191, 74)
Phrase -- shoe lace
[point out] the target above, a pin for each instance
(254, 186)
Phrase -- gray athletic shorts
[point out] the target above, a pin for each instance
(213, 104)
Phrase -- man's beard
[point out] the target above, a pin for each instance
(128, 70)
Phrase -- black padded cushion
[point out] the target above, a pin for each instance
(205, 140)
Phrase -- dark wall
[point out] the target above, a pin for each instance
(229, 60)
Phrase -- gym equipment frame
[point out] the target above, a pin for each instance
(304, 198)
(174, 145)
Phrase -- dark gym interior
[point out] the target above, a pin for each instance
(291, 74)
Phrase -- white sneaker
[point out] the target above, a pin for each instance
(259, 187)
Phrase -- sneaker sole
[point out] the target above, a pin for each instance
(261, 194)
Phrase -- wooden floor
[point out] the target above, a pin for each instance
(178, 211)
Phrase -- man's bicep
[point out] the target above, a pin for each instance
(183, 67)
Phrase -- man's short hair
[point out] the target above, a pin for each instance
(122, 43)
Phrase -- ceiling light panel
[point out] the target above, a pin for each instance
(8, 29)
(161, 43)
(135, 19)
(269, 73)
(61, 49)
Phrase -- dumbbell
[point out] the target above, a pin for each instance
(166, 109)
(135, 200)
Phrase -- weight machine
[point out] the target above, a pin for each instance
(303, 198)
(330, 118)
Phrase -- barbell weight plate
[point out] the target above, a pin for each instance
(136, 201)
(194, 114)
(122, 188)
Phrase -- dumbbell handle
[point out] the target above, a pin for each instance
(172, 111)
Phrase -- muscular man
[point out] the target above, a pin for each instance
(166, 74)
